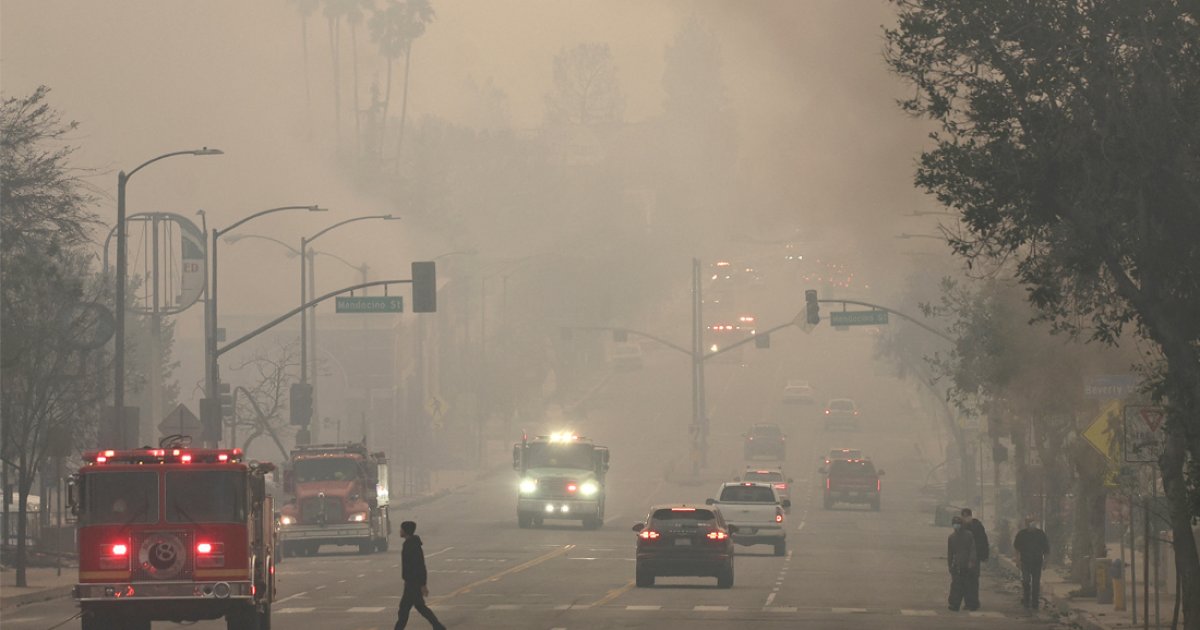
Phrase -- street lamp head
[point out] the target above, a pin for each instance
(233, 238)
(316, 208)
(207, 151)
(388, 217)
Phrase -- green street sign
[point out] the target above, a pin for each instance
(857, 318)
(371, 304)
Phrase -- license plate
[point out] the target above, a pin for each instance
(683, 542)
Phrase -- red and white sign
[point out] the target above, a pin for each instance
(1145, 433)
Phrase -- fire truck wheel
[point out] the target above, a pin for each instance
(382, 545)
(365, 548)
(247, 617)
(524, 520)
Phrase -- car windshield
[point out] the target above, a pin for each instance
(842, 405)
(747, 494)
(844, 454)
(326, 469)
(558, 455)
(208, 496)
(120, 498)
(668, 517)
(764, 476)
(852, 469)
(767, 430)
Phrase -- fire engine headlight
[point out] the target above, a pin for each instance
(358, 517)
(528, 486)
(588, 488)
(286, 520)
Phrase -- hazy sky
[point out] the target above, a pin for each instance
(820, 138)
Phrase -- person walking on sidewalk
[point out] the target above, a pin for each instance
(961, 559)
(412, 569)
(974, 525)
(1032, 547)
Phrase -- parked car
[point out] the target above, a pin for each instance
(682, 540)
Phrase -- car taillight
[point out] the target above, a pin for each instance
(648, 534)
(827, 483)
(878, 485)
(781, 486)
(717, 535)
(778, 515)
(210, 554)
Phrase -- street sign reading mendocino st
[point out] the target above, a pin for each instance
(858, 318)
(371, 304)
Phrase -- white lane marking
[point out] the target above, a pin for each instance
(710, 608)
(361, 575)
(319, 587)
(801, 526)
(643, 608)
(504, 607)
(341, 581)
(849, 610)
(994, 615)
(770, 598)
(290, 597)
(918, 613)
(293, 611)
(430, 555)
(782, 609)
(365, 609)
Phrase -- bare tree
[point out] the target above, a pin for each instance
(262, 401)
(586, 91)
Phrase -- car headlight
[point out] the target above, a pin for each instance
(286, 520)
(358, 517)
(588, 488)
(528, 486)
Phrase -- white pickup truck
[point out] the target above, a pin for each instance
(755, 512)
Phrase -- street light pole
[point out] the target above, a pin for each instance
(119, 293)
(304, 436)
(212, 377)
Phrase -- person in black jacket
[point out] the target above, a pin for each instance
(1032, 547)
(973, 525)
(412, 569)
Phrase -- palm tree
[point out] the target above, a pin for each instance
(394, 28)
(306, 8)
(354, 14)
(334, 10)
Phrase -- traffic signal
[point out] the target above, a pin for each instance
(814, 309)
(424, 286)
(762, 341)
(300, 403)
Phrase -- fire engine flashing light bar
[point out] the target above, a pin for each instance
(163, 456)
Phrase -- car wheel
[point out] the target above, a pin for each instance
(643, 579)
(725, 577)
(780, 548)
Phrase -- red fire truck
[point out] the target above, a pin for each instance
(339, 496)
(175, 534)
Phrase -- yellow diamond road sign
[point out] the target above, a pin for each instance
(1101, 432)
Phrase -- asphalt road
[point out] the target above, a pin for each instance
(848, 567)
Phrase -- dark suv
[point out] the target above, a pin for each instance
(852, 481)
(681, 540)
(765, 440)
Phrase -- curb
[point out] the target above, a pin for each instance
(16, 601)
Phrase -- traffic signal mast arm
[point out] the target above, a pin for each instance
(750, 339)
(311, 303)
(893, 312)
(634, 332)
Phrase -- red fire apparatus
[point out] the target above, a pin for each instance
(176, 534)
(339, 496)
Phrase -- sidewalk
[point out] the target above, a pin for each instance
(44, 584)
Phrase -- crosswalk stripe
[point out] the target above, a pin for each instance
(366, 609)
(781, 609)
(918, 613)
(711, 608)
(849, 610)
(503, 607)
(986, 614)
(293, 611)
(643, 608)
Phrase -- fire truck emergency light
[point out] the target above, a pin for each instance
(162, 456)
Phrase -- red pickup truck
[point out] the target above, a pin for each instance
(852, 481)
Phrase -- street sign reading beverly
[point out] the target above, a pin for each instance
(371, 304)
(1144, 433)
(857, 318)
(1109, 386)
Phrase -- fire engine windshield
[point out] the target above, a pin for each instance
(326, 469)
(549, 455)
(112, 498)
(209, 496)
